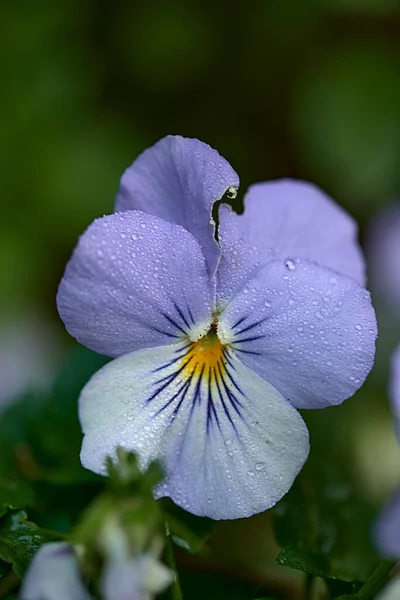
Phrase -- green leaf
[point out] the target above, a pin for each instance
(324, 527)
(187, 531)
(14, 494)
(19, 540)
(41, 436)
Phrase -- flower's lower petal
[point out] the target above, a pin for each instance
(230, 443)
(307, 330)
(387, 529)
(285, 219)
(179, 179)
(134, 281)
(54, 575)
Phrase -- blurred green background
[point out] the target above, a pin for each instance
(307, 89)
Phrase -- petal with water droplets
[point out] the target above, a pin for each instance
(179, 179)
(134, 281)
(285, 219)
(231, 445)
(305, 329)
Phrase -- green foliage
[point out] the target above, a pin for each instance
(189, 532)
(41, 436)
(323, 526)
(19, 540)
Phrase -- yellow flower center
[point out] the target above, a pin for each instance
(205, 357)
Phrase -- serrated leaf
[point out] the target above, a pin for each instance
(19, 540)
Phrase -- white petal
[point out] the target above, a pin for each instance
(391, 591)
(231, 444)
(135, 579)
(54, 575)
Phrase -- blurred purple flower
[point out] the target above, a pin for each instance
(54, 575)
(217, 343)
(383, 248)
(388, 526)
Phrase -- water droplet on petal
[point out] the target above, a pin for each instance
(289, 264)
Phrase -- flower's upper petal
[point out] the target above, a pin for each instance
(387, 529)
(54, 575)
(179, 179)
(285, 219)
(305, 329)
(230, 443)
(134, 281)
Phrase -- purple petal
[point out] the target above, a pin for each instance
(305, 329)
(387, 529)
(134, 281)
(384, 256)
(54, 575)
(179, 179)
(231, 445)
(394, 387)
(285, 219)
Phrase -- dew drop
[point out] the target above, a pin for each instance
(134, 236)
(259, 466)
(289, 264)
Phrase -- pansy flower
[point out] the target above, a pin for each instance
(383, 252)
(387, 533)
(218, 337)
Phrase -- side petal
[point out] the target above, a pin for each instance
(387, 529)
(54, 575)
(306, 329)
(134, 281)
(285, 219)
(230, 443)
(179, 179)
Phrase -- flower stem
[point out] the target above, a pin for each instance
(376, 581)
(175, 589)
